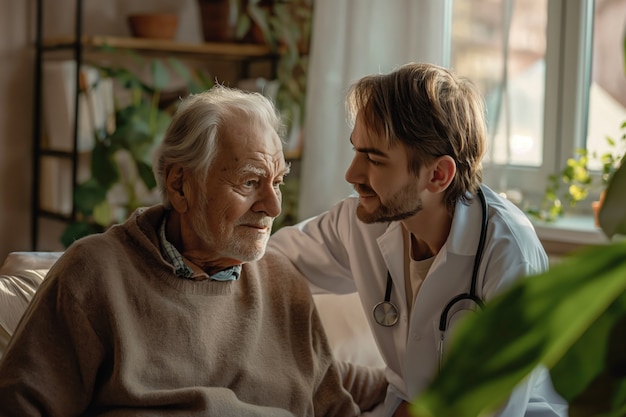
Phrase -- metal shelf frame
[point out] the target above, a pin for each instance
(40, 49)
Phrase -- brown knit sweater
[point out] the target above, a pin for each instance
(112, 331)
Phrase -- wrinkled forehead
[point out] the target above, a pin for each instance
(252, 150)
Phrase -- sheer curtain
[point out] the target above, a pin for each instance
(350, 39)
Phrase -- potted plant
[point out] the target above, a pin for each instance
(575, 181)
(121, 167)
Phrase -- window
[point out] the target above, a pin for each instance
(501, 46)
(552, 72)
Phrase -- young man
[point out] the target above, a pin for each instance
(423, 229)
(173, 312)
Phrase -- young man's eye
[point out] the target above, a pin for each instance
(372, 161)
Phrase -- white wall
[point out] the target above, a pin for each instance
(16, 90)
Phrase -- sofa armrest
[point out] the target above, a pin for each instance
(20, 276)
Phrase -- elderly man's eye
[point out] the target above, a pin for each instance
(279, 183)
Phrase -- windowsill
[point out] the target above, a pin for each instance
(568, 234)
(576, 230)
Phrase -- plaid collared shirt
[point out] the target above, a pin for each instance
(182, 270)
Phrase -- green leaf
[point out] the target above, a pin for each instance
(102, 213)
(243, 26)
(146, 175)
(200, 81)
(160, 75)
(181, 69)
(536, 322)
(127, 79)
(77, 230)
(88, 195)
(261, 17)
(195, 79)
(103, 168)
(204, 82)
(612, 216)
(599, 364)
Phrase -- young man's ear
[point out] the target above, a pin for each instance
(442, 173)
(175, 179)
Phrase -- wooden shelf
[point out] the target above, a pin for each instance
(232, 51)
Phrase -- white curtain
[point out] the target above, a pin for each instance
(350, 39)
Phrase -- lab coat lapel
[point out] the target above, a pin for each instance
(393, 339)
(391, 247)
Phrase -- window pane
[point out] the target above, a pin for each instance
(511, 79)
(607, 95)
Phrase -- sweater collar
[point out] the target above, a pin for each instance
(182, 269)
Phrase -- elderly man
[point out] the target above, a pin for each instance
(174, 312)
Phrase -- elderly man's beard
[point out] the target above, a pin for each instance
(226, 242)
(402, 205)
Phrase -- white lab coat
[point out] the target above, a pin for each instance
(340, 254)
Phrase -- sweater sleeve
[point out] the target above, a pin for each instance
(367, 385)
(345, 389)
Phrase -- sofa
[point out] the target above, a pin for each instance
(342, 315)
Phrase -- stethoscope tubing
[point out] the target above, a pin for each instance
(473, 294)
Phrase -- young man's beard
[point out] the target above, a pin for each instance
(402, 205)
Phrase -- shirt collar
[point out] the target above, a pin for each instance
(182, 270)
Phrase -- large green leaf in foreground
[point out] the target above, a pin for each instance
(541, 320)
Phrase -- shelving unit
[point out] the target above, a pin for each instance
(243, 55)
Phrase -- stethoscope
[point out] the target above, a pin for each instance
(386, 313)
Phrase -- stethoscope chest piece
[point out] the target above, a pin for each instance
(385, 313)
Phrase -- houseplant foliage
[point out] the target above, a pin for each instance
(285, 26)
(121, 167)
(571, 319)
(574, 182)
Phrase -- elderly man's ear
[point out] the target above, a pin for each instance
(175, 183)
